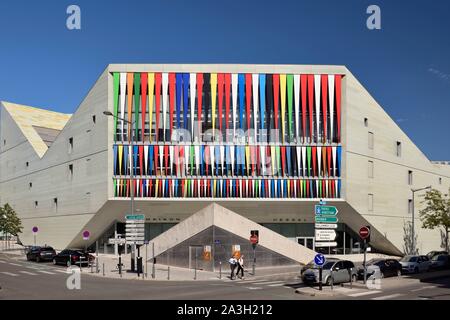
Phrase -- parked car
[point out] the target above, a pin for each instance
(381, 268)
(306, 267)
(415, 264)
(432, 254)
(39, 254)
(336, 271)
(70, 257)
(440, 262)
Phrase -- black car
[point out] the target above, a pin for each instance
(432, 254)
(39, 254)
(440, 262)
(70, 257)
(381, 267)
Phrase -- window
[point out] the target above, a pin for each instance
(70, 145)
(4, 142)
(399, 149)
(371, 140)
(30, 185)
(370, 169)
(366, 122)
(370, 202)
(410, 177)
(27, 164)
(55, 203)
(410, 206)
(440, 180)
(70, 171)
(94, 119)
(36, 204)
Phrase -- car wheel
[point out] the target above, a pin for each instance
(328, 281)
(54, 262)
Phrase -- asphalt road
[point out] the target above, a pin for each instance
(28, 280)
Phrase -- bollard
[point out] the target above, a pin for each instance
(103, 269)
(97, 270)
(168, 272)
(220, 269)
(92, 268)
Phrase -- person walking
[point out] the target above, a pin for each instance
(233, 263)
(240, 267)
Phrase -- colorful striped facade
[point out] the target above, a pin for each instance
(215, 135)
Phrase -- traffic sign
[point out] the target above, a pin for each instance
(326, 210)
(326, 219)
(325, 235)
(135, 217)
(86, 235)
(217, 241)
(364, 232)
(35, 230)
(254, 239)
(319, 259)
(326, 244)
(116, 241)
(326, 226)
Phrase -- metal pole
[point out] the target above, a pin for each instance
(364, 263)
(146, 261)
(413, 240)
(153, 262)
(103, 269)
(195, 269)
(320, 278)
(35, 240)
(168, 272)
(344, 242)
(220, 269)
(254, 260)
(96, 257)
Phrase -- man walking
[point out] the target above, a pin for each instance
(233, 262)
(240, 266)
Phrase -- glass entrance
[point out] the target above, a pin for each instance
(307, 242)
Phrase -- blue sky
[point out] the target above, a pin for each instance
(405, 66)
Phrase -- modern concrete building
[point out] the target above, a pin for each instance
(273, 141)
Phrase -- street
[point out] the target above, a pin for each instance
(21, 279)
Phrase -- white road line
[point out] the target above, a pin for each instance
(423, 288)
(251, 281)
(28, 273)
(10, 274)
(46, 272)
(388, 297)
(254, 288)
(1, 261)
(15, 264)
(279, 285)
(272, 282)
(365, 293)
(57, 270)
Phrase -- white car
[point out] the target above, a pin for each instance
(415, 264)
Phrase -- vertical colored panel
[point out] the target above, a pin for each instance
(185, 99)
(314, 160)
(199, 102)
(120, 156)
(331, 102)
(255, 83)
(234, 86)
(304, 81)
(262, 102)
(311, 105)
(193, 87)
(276, 100)
(144, 87)
(241, 100)
(178, 91)
(317, 103)
(283, 105)
(151, 91)
(319, 161)
(290, 90)
(325, 106)
(207, 97)
(338, 106)
(324, 161)
(123, 88)
(227, 99)
(130, 80)
(220, 84)
(158, 81)
(141, 160)
(115, 155)
(137, 98)
(339, 160)
(269, 104)
(172, 79)
(165, 92)
(297, 106)
(308, 150)
(213, 100)
(116, 101)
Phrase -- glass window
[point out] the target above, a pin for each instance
(371, 140)
(370, 169)
(370, 204)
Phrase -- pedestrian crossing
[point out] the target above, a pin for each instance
(258, 284)
(30, 270)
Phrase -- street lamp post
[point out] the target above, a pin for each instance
(413, 233)
(110, 114)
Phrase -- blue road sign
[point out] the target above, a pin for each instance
(319, 259)
(217, 241)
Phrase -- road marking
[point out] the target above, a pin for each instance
(29, 273)
(1, 261)
(46, 272)
(271, 282)
(251, 282)
(423, 288)
(279, 285)
(15, 264)
(365, 293)
(254, 288)
(57, 270)
(10, 274)
(388, 297)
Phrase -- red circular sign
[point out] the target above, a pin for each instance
(364, 232)
(254, 239)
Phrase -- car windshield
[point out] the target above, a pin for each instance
(409, 259)
(328, 265)
(47, 249)
(440, 258)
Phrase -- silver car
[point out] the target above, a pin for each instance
(333, 271)
(415, 264)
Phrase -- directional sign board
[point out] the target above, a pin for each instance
(326, 244)
(325, 235)
(319, 259)
(326, 226)
(326, 219)
(326, 210)
(135, 228)
(117, 241)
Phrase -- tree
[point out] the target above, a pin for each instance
(437, 212)
(10, 223)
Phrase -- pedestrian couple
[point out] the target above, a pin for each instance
(238, 263)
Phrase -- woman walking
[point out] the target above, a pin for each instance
(233, 263)
(240, 266)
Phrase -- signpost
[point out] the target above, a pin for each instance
(35, 231)
(135, 234)
(320, 260)
(86, 236)
(364, 233)
(254, 239)
(325, 218)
